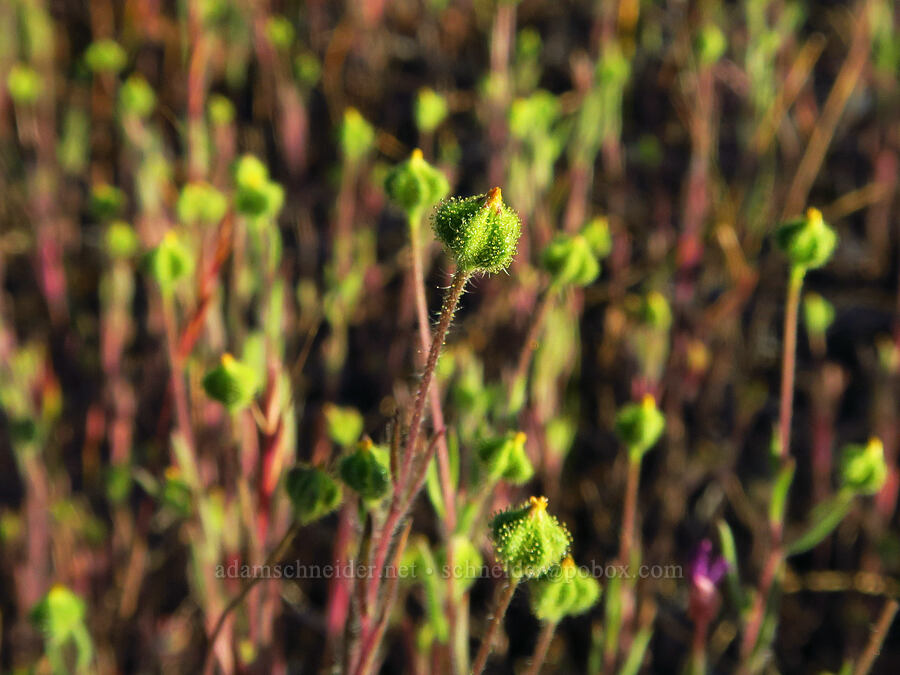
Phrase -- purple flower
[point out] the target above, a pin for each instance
(706, 572)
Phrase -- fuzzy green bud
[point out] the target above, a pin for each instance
(863, 469)
(170, 261)
(481, 232)
(313, 493)
(232, 383)
(105, 56)
(280, 32)
(504, 458)
(256, 196)
(431, 110)
(107, 201)
(639, 425)
(808, 242)
(711, 44)
(528, 541)
(356, 136)
(598, 237)
(120, 240)
(59, 614)
(344, 424)
(570, 261)
(24, 84)
(201, 203)
(307, 68)
(175, 493)
(367, 470)
(415, 185)
(136, 97)
(220, 110)
(655, 311)
(818, 314)
(564, 591)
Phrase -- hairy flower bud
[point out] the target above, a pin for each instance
(481, 232)
(136, 97)
(170, 261)
(414, 185)
(528, 541)
(818, 314)
(564, 591)
(356, 136)
(570, 260)
(504, 458)
(24, 84)
(367, 470)
(256, 196)
(120, 240)
(313, 493)
(105, 56)
(201, 204)
(863, 469)
(59, 613)
(639, 425)
(431, 110)
(232, 383)
(344, 424)
(808, 242)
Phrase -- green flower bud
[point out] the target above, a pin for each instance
(201, 203)
(596, 232)
(308, 69)
(564, 591)
(220, 110)
(639, 425)
(533, 117)
(356, 136)
(24, 84)
(655, 311)
(528, 541)
(808, 242)
(481, 232)
(367, 470)
(170, 261)
(176, 493)
(121, 240)
(256, 195)
(569, 260)
(59, 615)
(818, 313)
(232, 383)
(107, 201)
(280, 32)
(711, 44)
(345, 425)
(863, 469)
(313, 493)
(415, 185)
(504, 458)
(560, 434)
(105, 56)
(431, 110)
(136, 97)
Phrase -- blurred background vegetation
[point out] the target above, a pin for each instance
(139, 241)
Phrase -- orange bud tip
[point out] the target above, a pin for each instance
(520, 437)
(814, 214)
(227, 359)
(417, 155)
(538, 505)
(494, 199)
(648, 401)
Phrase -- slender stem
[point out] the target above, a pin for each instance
(879, 633)
(487, 644)
(788, 363)
(698, 648)
(534, 332)
(540, 649)
(274, 557)
(627, 535)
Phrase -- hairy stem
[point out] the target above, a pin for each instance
(879, 633)
(540, 649)
(487, 644)
(788, 361)
(629, 513)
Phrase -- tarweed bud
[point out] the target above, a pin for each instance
(232, 383)
(59, 614)
(564, 591)
(570, 261)
(136, 97)
(481, 232)
(431, 110)
(863, 469)
(313, 493)
(120, 240)
(24, 84)
(818, 314)
(175, 494)
(170, 261)
(256, 196)
(279, 31)
(415, 185)
(808, 242)
(356, 136)
(201, 203)
(639, 425)
(344, 424)
(107, 201)
(220, 110)
(655, 311)
(105, 56)
(598, 237)
(367, 470)
(528, 541)
(504, 458)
